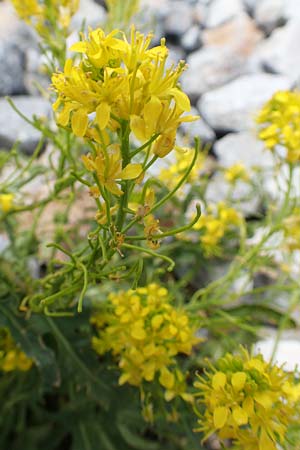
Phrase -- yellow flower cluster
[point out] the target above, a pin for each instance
(119, 80)
(172, 175)
(11, 357)
(291, 229)
(40, 13)
(108, 167)
(236, 172)
(280, 123)
(247, 400)
(214, 224)
(6, 202)
(145, 333)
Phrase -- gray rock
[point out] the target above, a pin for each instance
(90, 13)
(269, 14)
(241, 195)
(288, 348)
(233, 107)
(250, 5)
(291, 9)
(221, 11)
(191, 40)
(4, 242)
(280, 52)
(226, 54)
(14, 38)
(199, 129)
(243, 148)
(12, 69)
(14, 128)
(179, 19)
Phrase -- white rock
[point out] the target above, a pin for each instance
(269, 13)
(191, 40)
(291, 9)
(288, 350)
(251, 4)
(233, 107)
(221, 11)
(90, 13)
(219, 189)
(199, 129)
(280, 52)
(225, 55)
(13, 127)
(179, 19)
(243, 148)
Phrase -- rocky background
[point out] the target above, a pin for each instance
(239, 53)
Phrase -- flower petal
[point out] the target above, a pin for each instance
(131, 171)
(79, 122)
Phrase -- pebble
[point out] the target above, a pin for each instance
(90, 13)
(13, 127)
(179, 20)
(245, 148)
(233, 106)
(219, 189)
(221, 11)
(191, 40)
(287, 352)
(269, 14)
(280, 52)
(199, 129)
(224, 56)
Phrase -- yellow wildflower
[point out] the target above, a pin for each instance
(145, 332)
(11, 357)
(120, 80)
(279, 122)
(291, 229)
(171, 175)
(6, 202)
(40, 14)
(236, 172)
(247, 400)
(214, 225)
(108, 167)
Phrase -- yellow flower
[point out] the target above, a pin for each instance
(11, 357)
(40, 14)
(108, 167)
(118, 80)
(247, 400)
(214, 225)
(6, 202)
(171, 175)
(291, 229)
(236, 172)
(279, 123)
(145, 332)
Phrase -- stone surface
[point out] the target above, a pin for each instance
(221, 11)
(280, 52)
(269, 14)
(199, 128)
(243, 148)
(224, 56)
(179, 19)
(91, 13)
(233, 107)
(191, 40)
(219, 189)
(13, 127)
(288, 349)
(13, 36)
